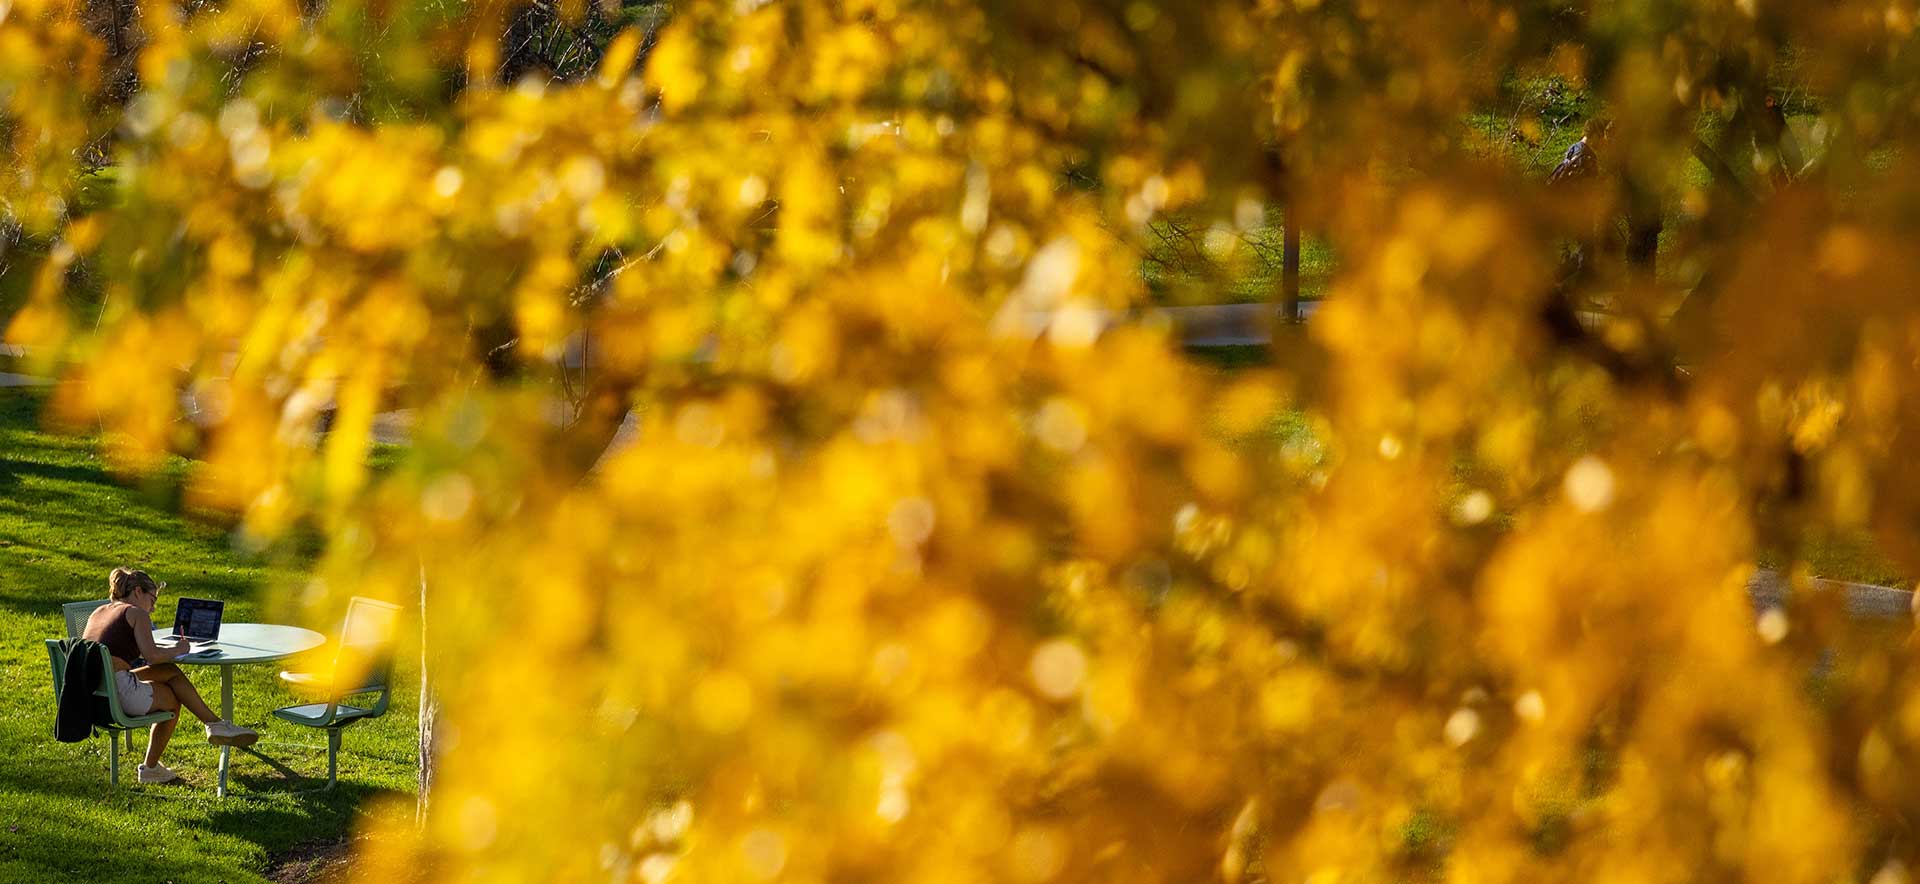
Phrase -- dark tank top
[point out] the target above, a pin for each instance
(109, 626)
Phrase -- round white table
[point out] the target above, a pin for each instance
(242, 643)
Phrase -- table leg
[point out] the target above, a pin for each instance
(226, 713)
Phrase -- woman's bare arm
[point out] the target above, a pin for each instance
(143, 637)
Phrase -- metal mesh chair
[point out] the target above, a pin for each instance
(57, 656)
(362, 666)
(77, 614)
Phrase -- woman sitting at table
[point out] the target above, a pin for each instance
(142, 674)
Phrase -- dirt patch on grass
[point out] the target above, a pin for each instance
(315, 862)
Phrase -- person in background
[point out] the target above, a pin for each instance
(144, 676)
(1582, 159)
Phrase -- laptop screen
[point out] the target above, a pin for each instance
(198, 619)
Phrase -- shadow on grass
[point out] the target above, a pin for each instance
(64, 835)
(66, 521)
(160, 500)
(279, 825)
(29, 564)
(59, 810)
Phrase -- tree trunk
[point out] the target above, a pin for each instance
(1290, 265)
(429, 711)
(1643, 241)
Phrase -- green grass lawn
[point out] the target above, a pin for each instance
(64, 523)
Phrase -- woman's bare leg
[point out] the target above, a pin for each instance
(157, 738)
(170, 676)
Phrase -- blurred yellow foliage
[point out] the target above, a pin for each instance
(802, 495)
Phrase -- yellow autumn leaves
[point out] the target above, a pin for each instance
(784, 395)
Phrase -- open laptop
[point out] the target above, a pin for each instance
(198, 620)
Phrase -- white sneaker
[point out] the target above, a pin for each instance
(226, 733)
(158, 773)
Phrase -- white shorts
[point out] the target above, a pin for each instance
(136, 696)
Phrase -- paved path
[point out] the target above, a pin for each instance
(1864, 601)
(22, 380)
(1229, 325)
(1209, 325)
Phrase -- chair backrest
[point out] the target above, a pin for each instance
(77, 614)
(58, 657)
(365, 653)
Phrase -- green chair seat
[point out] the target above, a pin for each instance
(315, 714)
(135, 722)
